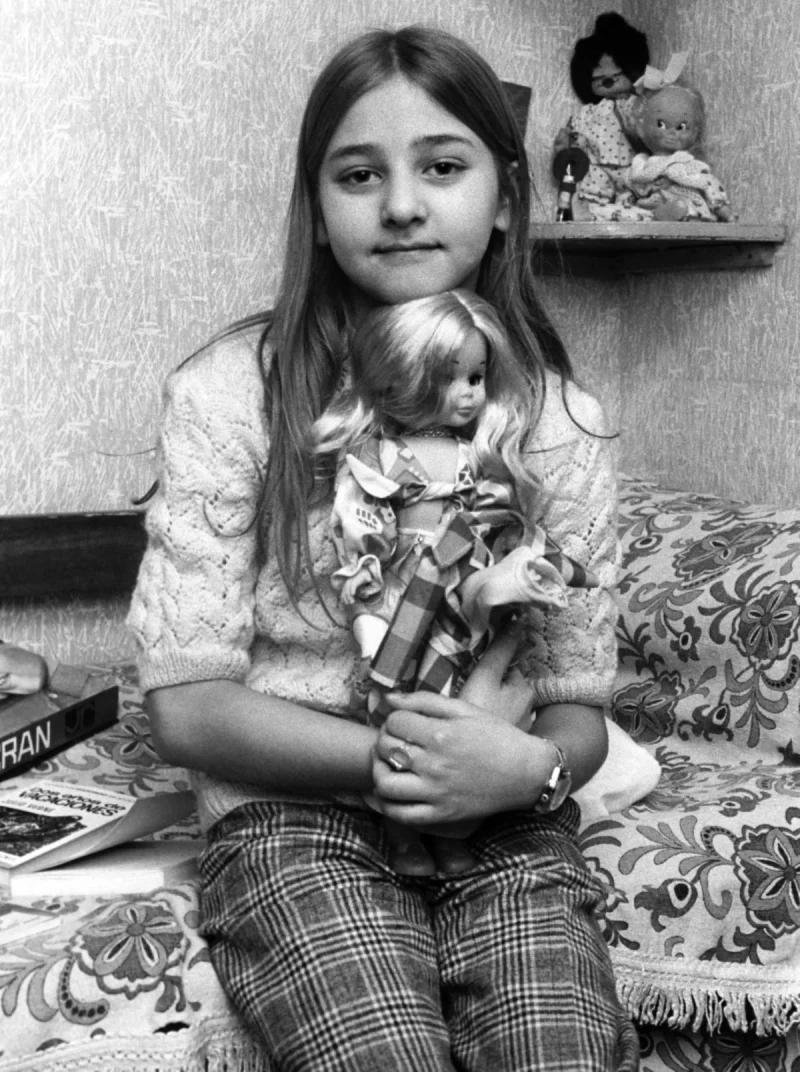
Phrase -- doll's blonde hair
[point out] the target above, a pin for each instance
(401, 360)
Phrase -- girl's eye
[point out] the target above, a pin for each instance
(358, 177)
(476, 380)
(443, 169)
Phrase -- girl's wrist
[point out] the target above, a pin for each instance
(541, 756)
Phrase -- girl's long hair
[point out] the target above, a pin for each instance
(305, 339)
(401, 361)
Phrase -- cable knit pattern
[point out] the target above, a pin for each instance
(571, 656)
(201, 610)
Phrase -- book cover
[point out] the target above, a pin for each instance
(44, 823)
(45, 722)
(135, 867)
(19, 921)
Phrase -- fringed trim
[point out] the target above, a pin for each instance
(205, 1047)
(709, 996)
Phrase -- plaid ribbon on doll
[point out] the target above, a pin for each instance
(429, 644)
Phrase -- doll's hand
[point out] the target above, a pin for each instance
(355, 587)
(498, 692)
(563, 140)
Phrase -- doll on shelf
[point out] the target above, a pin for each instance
(668, 180)
(432, 507)
(603, 70)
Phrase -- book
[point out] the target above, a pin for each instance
(44, 822)
(19, 921)
(45, 722)
(135, 867)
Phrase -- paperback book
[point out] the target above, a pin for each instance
(135, 867)
(45, 722)
(45, 823)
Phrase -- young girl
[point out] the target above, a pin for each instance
(432, 499)
(411, 180)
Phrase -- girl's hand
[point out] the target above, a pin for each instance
(442, 760)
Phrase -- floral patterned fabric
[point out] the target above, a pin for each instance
(702, 877)
(123, 983)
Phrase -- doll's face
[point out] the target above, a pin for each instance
(608, 80)
(465, 395)
(670, 122)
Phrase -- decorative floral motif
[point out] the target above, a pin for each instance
(130, 947)
(706, 869)
(769, 866)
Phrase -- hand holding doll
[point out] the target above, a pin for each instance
(433, 505)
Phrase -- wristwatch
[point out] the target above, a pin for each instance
(557, 787)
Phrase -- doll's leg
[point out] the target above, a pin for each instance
(522, 577)
(415, 854)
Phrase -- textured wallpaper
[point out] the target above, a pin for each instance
(709, 361)
(147, 149)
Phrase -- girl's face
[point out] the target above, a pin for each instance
(465, 395)
(408, 197)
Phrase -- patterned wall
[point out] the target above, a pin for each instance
(147, 152)
(709, 361)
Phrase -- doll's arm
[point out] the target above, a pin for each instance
(364, 533)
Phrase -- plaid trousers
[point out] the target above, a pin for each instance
(338, 964)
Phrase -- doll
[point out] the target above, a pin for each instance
(603, 70)
(432, 499)
(669, 181)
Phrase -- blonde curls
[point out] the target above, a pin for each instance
(401, 362)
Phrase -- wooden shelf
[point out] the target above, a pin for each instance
(613, 249)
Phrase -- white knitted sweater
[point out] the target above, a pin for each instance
(202, 610)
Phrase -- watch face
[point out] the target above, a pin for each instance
(557, 787)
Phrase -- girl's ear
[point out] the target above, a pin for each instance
(502, 220)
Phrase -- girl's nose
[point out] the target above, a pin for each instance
(402, 203)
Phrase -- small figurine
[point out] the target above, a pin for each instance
(603, 69)
(669, 181)
(432, 506)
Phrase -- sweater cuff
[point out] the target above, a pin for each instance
(592, 690)
(180, 668)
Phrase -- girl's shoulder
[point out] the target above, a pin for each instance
(230, 361)
(568, 412)
(219, 390)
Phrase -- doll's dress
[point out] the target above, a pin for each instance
(600, 130)
(677, 177)
(415, 575)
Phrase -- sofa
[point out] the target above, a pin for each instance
(701, 877)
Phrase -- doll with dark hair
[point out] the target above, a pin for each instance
(603, 69)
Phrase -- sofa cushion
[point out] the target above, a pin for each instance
(702, 877)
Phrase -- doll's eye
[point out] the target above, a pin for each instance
(682, 127)
(661, 124)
